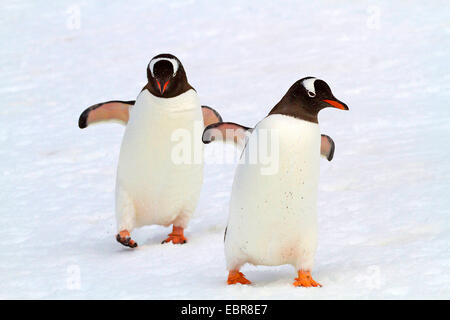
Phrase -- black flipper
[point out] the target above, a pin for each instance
(227, 132)
(115, 110)
(210, 116)
(327, 147)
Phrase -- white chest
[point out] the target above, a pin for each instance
(281, 155)
(161, 157)
(273, 202)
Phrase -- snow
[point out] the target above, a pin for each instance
(383, 200)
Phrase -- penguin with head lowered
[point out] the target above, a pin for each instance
(273, 218)
(153, 186)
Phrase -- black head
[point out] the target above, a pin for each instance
(166, 76)
(305, 98)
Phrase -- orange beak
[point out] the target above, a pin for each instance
(163, 89)
(336, 104)
(159, 86)
(165, 86)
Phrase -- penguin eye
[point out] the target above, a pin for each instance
(311, 94)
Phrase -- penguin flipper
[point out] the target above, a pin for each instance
(227, 132)
(327, 147)
(210, 116)
(106, 111)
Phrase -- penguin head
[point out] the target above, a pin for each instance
(166, 76)
(314, 95)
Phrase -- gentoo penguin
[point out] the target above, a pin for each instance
(273, 219)
(160, 168)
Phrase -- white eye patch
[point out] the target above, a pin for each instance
(309, 85)
(174, 63)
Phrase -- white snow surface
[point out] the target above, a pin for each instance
(383, 200)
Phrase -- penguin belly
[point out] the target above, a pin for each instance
(160, 170)
(273, 219)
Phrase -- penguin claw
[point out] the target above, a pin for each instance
(176, 239)
(305, 280)
(235, 277)
(124, 238)
(177, 236)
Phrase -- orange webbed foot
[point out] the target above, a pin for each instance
(177, 236)
(305, 280)
(237, 277)
(123, 237)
